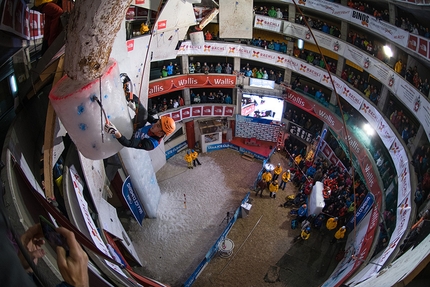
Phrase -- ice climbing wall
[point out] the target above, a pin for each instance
(78, 105)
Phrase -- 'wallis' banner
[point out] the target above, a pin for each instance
(168, 85)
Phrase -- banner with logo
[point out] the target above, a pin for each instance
(207, 110)
(379, 70)
(370, 113)
(382, 28)
(361, 212)
(133, 201)
(413, 42)
(15, 18)
(326, 7)
(168, 85)
(267, 23)
(36, 31)
(300, 132)
(396, 84)
(423, 47)
(386, 134)
(402, 219)
(398, 154)
(356, 250)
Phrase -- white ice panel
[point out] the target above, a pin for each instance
(316, 199)
(80, 114)
(138, 165)
(235, 19)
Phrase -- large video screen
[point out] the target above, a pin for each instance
(265, 107)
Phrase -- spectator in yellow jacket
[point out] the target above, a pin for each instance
(398, 66)
(339, 234)
(194, 155)
(267, 177)
(286, 176)
(273, 188)
(277, 171)
(189, 159)
(306, 233)
(331, 223)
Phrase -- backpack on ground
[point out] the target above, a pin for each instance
(294, 223)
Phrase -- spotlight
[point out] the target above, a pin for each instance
(368, 129)
(387, 51)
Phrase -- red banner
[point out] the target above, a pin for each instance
(413, 42)
(176, 83)
(422, 47)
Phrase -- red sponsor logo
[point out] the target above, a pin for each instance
(130, 45)
(162, 24)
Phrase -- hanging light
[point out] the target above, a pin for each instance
(300, 44)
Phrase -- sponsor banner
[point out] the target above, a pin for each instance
(356, 250)
(311, 71)
(36, 31)
(196, 111)
(320, 142)
(176, 115)
(228, 111)
(27, 23)
(91, 227)
(370, 113)
(326, 7)
(267, 23)
(371, 178)
(297, 31)
(260, 83)
(300, 132)
(402, 219)
(207, 111)
(361, 212)
(15, 17)
(385, 133)
(185, 113)
(176, 83)
(398, 154)
(221, 146)
(329, 42)
(382, 28)
(379, 70)
(133, 201)
(423, 113)
(130, 45)
(354, 55)
(410, 96)
(423, 47)
(299, 101)
(327, 151)
(171, 152)
(413, 42)
(332, 121)
(404, 183)
(413, 99)
(351, 96)
(218, 111)
(19, 18)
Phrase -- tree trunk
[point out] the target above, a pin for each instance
(91, 31)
